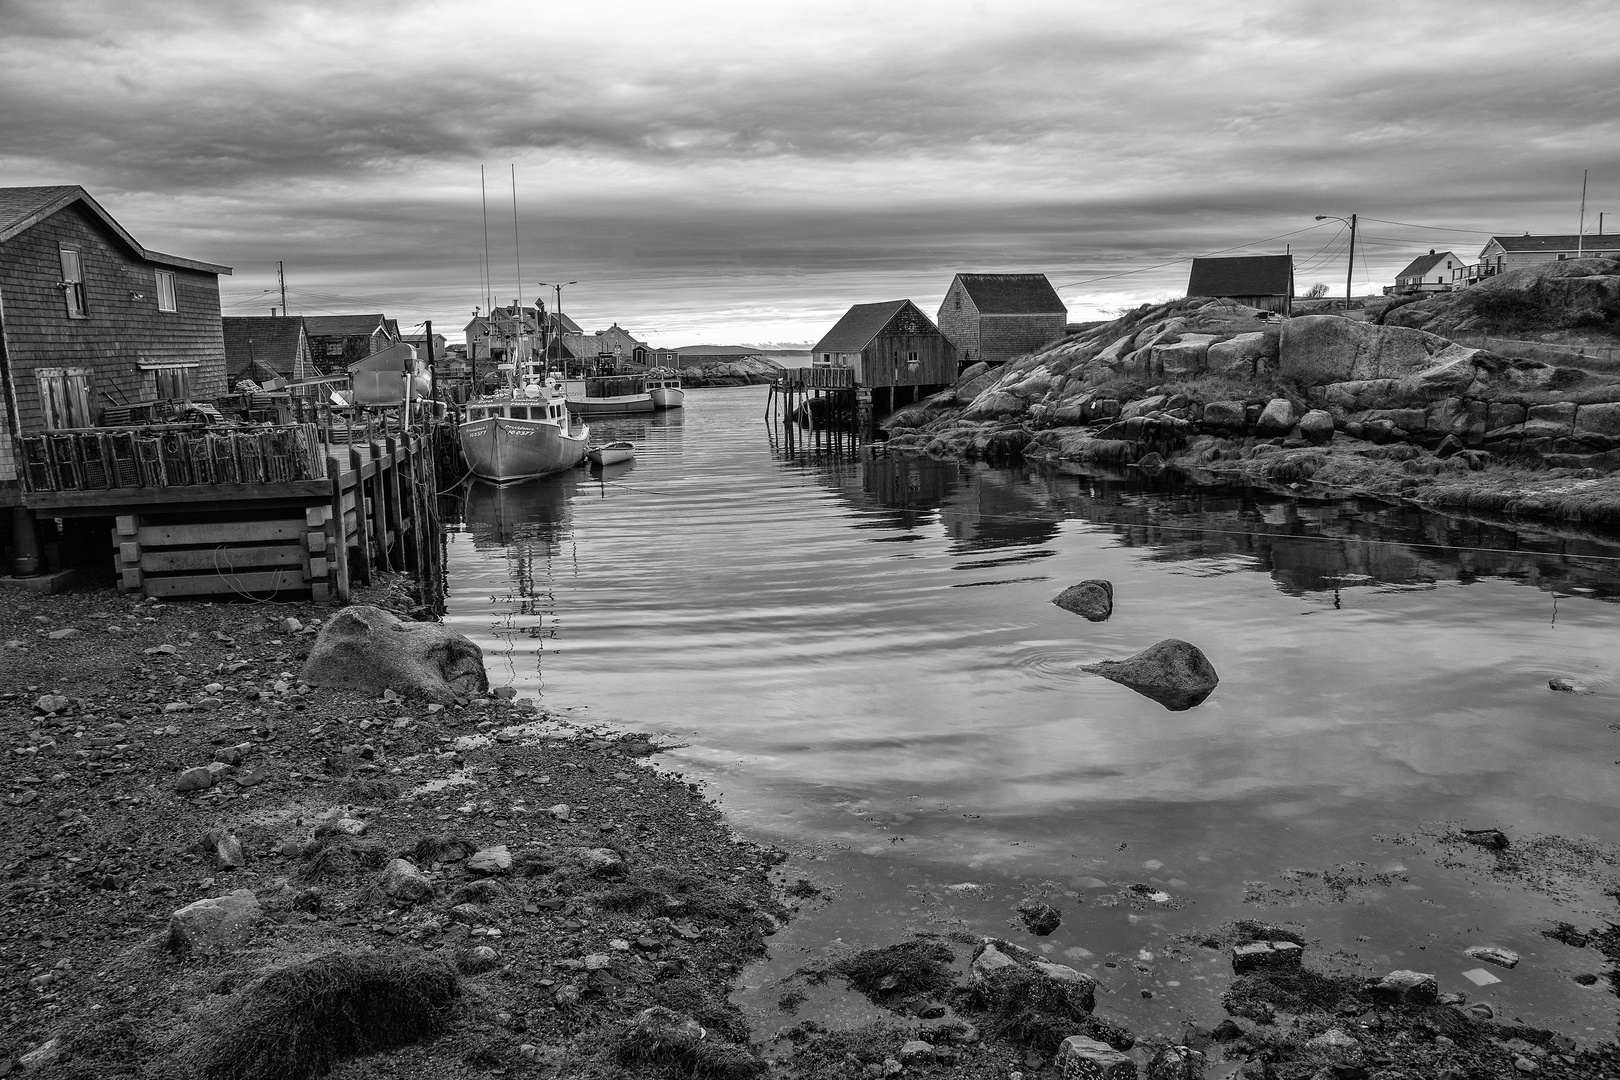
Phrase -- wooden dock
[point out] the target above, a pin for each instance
(309, 522)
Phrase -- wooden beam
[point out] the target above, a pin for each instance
(228, 560)
(205, 584)
(110, 501)
(221, 532)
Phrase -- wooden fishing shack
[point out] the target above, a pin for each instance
(877, 358)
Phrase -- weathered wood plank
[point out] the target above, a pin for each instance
(223, 532)
(228, 560)
(113, 499)
(205, 584)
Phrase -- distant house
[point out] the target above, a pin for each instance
(1503, 253)
(889, 344)
(617, 342)
(92, 319)
(995, 317)
(336, 341)
(648, 356)
(265, 347)
(1434, 272)
(1258, 281)
(420, 342)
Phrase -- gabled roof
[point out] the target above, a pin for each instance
(1424, 263)
(344, 325)
(1013, 294)
(859, 326)
(22, 208)
(1556, 242)
(273, 341)
(1242, 275)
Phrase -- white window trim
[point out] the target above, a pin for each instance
(159, 277)
(159, 365)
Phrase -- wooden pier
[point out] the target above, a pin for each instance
(255, 512)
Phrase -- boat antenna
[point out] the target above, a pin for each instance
(1580, 237)
(518, 257)
(483, 195)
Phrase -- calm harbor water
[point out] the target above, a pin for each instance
(860, 655)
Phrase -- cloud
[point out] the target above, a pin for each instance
(738, 169)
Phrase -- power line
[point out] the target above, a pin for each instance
(1189, 258)
(1429, 228)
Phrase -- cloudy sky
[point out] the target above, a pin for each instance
(741, 172)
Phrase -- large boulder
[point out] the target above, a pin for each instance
(1084, 1058)
(1319, 349)
(1092, 599)
(1173, 673)
(1223, 415)
(402, 881)
(1277, 418)
(367, 648)
(975, 381)
(1316, 426)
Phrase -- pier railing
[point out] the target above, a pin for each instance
(821, 378)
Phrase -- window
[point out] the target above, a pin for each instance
(173, 383)
(958, 303)
(64, 397)
(165, 290)
(334, 348)
(72, 284)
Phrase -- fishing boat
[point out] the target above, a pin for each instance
(608, 395)
(613, 453)
(518, 435)
(665, 388)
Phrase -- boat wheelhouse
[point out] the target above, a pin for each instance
(516, 436)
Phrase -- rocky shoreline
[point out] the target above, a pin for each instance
(1323, 402)
(216, 870)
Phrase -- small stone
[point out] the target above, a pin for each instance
(290, 625)
(1266, 954)
(567, 995)
(471, 914)
(404, 881)
(1080, 1057)
(504, 693)
(233, 755)
(254, 776)
(916, 1050)
(604, 862)
(658, 1026)
(619, 945)
(42, 1056)
(214, 688)
(1176, 1063)
(197, 779)
(1406, 987)
(209, 704)
(561, 812)
(491, 860)
(52, 703)
(529, 1051)
(64, 633)
(597, 961)
(1525, 1065)
(1568, 686)
(1092, 600)
(1494, 839)
(220, 921)
(349, 826)
(227, 849)
(1039, 917)
(1493, 954)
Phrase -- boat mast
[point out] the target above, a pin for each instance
(518, 259)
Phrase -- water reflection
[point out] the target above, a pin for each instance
(1305, 546)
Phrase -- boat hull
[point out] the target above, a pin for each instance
(623, 405)
(612, 454)
(499, 448)
(667, 397)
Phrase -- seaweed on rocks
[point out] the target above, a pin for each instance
(896, 972)
(1036, 1011)
(298, 1021)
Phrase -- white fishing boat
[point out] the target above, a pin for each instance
(608, 395)
(518, 435)
(613, 453)
(665, 388)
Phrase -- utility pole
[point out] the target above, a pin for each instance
(1580, 238)
(1349, 271)
(281, 279)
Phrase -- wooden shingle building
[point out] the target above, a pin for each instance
(336, 341)
(90, 319)
(995, 317)
(266, 347)
(888, 344)
(1438, 271)
(1258, 281)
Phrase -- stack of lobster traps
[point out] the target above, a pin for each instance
(157, 456)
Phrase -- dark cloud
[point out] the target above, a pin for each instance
(744, 167)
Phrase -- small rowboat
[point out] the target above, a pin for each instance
(611, 454)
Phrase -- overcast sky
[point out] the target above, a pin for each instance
(741, 172)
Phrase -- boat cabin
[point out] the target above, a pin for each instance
(554, 409)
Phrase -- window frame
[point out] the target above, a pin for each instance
(74, 294)
(160, 278)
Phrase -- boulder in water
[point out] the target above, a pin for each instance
(367, 648)
(1174, 673)
(1092, 599)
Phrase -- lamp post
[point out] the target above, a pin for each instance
(1349, 269)
(558, 288)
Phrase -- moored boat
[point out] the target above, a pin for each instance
(613, 453)
(610, 395)
(517, 436)
(665, 389)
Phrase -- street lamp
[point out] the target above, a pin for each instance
(1349, 269)
(558, 309)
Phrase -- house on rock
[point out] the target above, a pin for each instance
(995, 317)
(885, 348)
(1258, 281)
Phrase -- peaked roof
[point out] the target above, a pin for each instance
(22, 208)
(1242, 275)
(859, 326)
(1556, 242)
(1423, 264)
(1013, 294)
(344, 325)
(270, 341)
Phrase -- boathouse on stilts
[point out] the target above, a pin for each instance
(878, 358)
